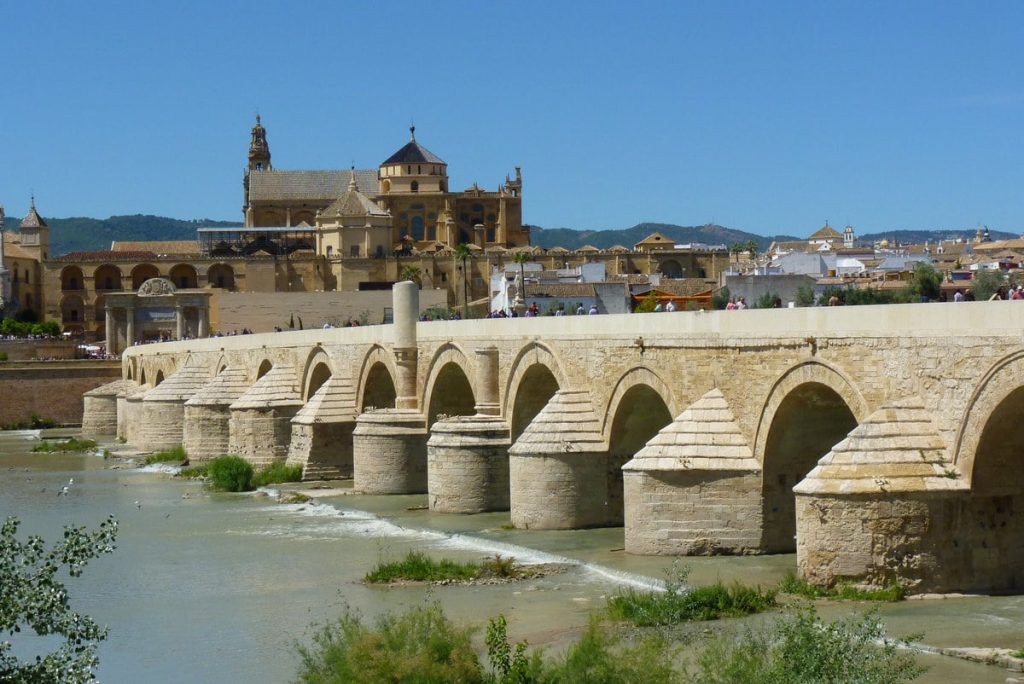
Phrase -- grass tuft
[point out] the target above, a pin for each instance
(195, 472)
(678, 604)
(175, 455)
(844, 591)
(230, 474)
(71, 444)
(418, 567)
(276, 473)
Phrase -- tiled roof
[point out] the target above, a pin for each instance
(156, 246)
(108, 255)
(13, 248)
(413, 153)
(308, 185)
(826, 232)
(683, 287)
(353, 203)
(656, 239)
(560, 290)
(33, 219)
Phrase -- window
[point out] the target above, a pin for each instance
(490, 234)
(73, 283)
(330, 251)
(353, 250)
(415, 186)
(417, 228)
(380, 251)
(108, 283)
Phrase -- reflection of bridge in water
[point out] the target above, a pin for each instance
(878, 442)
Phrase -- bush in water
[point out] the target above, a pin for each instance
(230, 474)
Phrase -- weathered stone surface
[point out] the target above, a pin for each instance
(389, 452)
(133, 412)
(467, 465)
(695, 488)
(163, 408)
(321, 439)
(260, 429)
(208, 413)
(99, 415)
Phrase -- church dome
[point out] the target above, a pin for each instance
(413, 153)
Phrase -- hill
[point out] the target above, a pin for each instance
(602, 239)
(88, 234)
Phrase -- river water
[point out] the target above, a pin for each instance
(219, 587)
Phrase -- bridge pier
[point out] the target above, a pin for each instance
(208, 415)
(389, 452)
(260, 427)
(99, 408)
(133, 413)
(695, 488)
(885, 505)
(163, 408)
(321, 440)
(558, 468)
(467, 465)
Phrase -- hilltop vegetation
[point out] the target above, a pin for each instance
(81, 234)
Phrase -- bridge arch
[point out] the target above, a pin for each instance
(263, 368)
(987, 426)
(318, 369)
(377, 375)
(639, 407)
(450, 386)
(535, 377)
(809, 409)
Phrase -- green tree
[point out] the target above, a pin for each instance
(521, 258)
(736, 249)
(720, 298)
(985, 283)
(926, 282)
(32, 597)
(647, 304)
(463, 252)
(751, 246)
(804, 296)
(412, 273)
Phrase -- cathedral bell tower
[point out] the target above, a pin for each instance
(259, 150)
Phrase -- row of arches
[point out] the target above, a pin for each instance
(808, 410)
(109, 277)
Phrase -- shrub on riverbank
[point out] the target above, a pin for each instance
(844, 591)
(680, 604)
(424, 645)
(803, 649)
(175, 455)
(35, 422)
(70, 444)
(276, 473)
(230, 474)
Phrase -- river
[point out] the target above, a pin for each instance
(219, 587)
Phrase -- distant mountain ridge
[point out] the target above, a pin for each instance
(83, 234)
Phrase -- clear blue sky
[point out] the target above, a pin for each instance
(764, 116)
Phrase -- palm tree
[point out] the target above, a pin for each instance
(752, 248)
(411, 273)
(521, 258)
(463, 253)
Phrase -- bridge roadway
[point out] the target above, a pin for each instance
(880, 442)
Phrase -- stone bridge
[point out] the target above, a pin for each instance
(880, 443)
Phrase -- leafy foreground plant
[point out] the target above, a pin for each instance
(806, 650)
(791, 584)
(679, 604)
(31, 596)
(70, 444)
(424, 646)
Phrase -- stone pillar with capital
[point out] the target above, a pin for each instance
(179, 322)
(129, 315)
(111, 330)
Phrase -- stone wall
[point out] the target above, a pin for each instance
(50, 389)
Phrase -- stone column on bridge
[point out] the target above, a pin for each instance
(133, 412)
(695, 488)
(389, 447)
(558, 468)
(99, 413)
(467, 456)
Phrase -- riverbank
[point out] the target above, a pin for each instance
(217, 587)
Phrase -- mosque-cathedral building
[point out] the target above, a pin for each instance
(313, 231)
